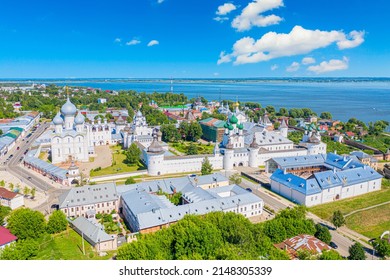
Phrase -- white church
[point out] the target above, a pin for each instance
(74, 139)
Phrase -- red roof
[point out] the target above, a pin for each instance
(302, 242)
(4, 193)
(6, 236)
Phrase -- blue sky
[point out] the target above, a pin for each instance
(194, 39)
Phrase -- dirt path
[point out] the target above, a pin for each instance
(367, 208)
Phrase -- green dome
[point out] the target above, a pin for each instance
(233, 119)
(225, 125)
(230, 127)
(240, 126)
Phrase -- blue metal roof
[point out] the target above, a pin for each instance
(307, 187)
(300, 161)
(357, 175)
(327, 179)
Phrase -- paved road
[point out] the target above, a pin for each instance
(31, 178)
(269, 199)
(13, 166)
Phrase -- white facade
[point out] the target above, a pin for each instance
(243, 144)
(139, 131)
(75, 139)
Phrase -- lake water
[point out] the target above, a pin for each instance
(365, 99)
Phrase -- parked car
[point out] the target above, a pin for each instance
(333, 245)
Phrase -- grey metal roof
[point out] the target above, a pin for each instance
(263, 136)
(88, 195)
(149, 211)
(181, 184)
(93, 232)
(46, 166)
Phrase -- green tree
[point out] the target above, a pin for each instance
(26, 223)
(192, 149)
(26, 191)
(326, 115)
(4, 211)
(184, 129)
(323, 234)
(292, 122)
(57, 222)
(33, 190)
(283, 112)
(130, 181)
(195, 131)
(270, 109)
(295, 136)
(133, 154)
(170, 133)
(1, 132)
(338, 219)
(276, 124)
(235, 179)
(275, 230)
(330, 255)
(356, 252)
(2, 183)
(207, 168)
(382, 246)
(20, 250)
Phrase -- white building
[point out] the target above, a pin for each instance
(313, 180)
(243, 144)
(138, 131)
(145, 211)
(74, 138)
(11, 199)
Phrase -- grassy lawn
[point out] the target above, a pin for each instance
(67, 247)
(118, 164)
(381, 142)
(325, 211)
(183, 147)
(371, 223)
(341, 148)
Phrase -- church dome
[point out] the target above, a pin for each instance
(79, 119)
(226, 125)
(240, 126)
(58, 120)
(68, 109)
(230, 127)
(233, 119)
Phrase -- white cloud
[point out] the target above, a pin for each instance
(118, 40)
(153, 43)
(251, 15)
(293, 67)
(308, 60)
(220, 19)
(225, 9)
(274, 67)
(352, 40)
(329, 66)
(160, 1)
(224, 58)
(216, 74)
(272, 45)
(133, 42)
